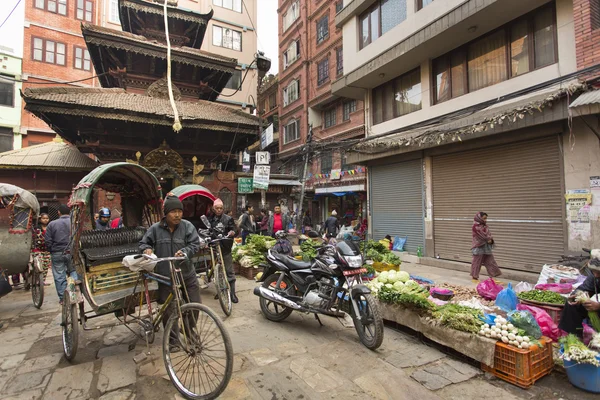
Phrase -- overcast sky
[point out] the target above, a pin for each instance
(267, 31)
(11, 33)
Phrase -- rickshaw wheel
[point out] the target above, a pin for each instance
(223, 289)
(70, 328)
(37, 288)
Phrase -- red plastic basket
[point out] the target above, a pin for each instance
(522, 367)
(554, 311)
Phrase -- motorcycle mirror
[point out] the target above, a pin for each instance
(205, 221)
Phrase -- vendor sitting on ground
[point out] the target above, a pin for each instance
(573, 315)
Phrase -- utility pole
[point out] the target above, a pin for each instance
(306, 158)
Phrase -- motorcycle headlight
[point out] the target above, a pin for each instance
(354, 261)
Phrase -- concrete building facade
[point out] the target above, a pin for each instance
(473, 106)
(10, 101)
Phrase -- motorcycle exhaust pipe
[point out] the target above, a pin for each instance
(276, 298)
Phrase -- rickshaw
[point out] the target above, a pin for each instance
(111, 283)
(17, 245)
(208, 263)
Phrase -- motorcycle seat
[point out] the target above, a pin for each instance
(292, 263)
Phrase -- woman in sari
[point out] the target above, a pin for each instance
(482, 246)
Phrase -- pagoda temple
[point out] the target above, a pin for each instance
(131, 116)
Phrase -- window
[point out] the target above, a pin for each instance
(330, 117)
(82, 59)
(235, 5)
(272, 101)
(339, 6)
(326, 163)
(291, 15)
(322, 28)
(291, 92)
(49, 51)
(595, 14)
(423, 3)
(291, 131)
(398, 97)
(7, 138)
(345, 165)
(349, 108)
(228, 38)
(515, 49)
(339, 60)
(53, 6)
(84, 10)
(235, 81)
(113, 12)
(379, 19)
(7, 92)
(291, 54)
(323, 71)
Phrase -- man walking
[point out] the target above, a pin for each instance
(332, 225)
(247, 223)
(229, 229)
(278, 221)
(58, 239)
(173, 236)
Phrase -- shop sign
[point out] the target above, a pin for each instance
(246, 167)
(261, 177)
(266, 137)
(336, 174)
(245, 185)
(263, 157)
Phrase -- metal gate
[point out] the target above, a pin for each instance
(518, 185)
(396, 193)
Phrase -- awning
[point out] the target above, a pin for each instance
(284, 182)
(586, 98)
(340, 191)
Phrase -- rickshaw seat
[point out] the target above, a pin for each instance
(102, 247)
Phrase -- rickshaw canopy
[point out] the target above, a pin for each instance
(185, 191)
(25, 200)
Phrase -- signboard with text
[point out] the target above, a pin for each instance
(261, 177)
(266, 137)
(245, 185)
(263, 157)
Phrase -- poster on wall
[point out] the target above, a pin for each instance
(595, 208)
(578, 213)
(261, 177)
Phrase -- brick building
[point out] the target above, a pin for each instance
(586, 18)
(311, 59)
(54, 52)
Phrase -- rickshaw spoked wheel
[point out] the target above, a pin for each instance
(37, 288)
(70, 327)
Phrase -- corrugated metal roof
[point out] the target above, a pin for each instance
(586, 98)
(53, 155)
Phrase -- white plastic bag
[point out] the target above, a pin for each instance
(523, 287)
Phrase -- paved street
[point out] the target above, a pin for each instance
(296, 359)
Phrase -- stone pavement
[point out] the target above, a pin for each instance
(295, 359)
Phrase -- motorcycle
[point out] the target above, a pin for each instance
(330, 285)
(581, 262)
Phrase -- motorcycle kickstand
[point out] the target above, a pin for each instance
(318, 319)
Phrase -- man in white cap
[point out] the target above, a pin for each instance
(230, 230)
(332, 225)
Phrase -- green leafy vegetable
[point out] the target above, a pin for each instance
(411, 300)
(391, 258)
(308, 249)
(461, 318)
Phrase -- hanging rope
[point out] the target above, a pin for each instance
(176, 124)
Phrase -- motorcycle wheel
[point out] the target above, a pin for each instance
(369, 324)
(273, 311)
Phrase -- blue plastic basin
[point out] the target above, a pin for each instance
(583, 376)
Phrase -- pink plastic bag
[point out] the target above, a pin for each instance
(544, 320)
(563, 288)
(489, 289)
(588, 334)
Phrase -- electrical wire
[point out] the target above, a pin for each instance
(10, 13)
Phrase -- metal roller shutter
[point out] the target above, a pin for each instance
(518, 185)
(396, 193)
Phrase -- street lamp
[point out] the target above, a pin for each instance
(263, 64)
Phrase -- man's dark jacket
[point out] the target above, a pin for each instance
(246, 223)
(166, 244)
(228, 226)
(58, 235)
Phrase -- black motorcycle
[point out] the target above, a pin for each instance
(329, 285)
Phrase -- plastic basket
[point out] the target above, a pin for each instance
(554, 310)
(519, 366)
(380, 267)
(583, 376)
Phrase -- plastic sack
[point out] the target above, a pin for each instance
(544, 320)
(489, 289)
(507, 299)
(588, 334)
(523, 287)
(490, 319)
(563, 288)
(399, 243)
(525, 320)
